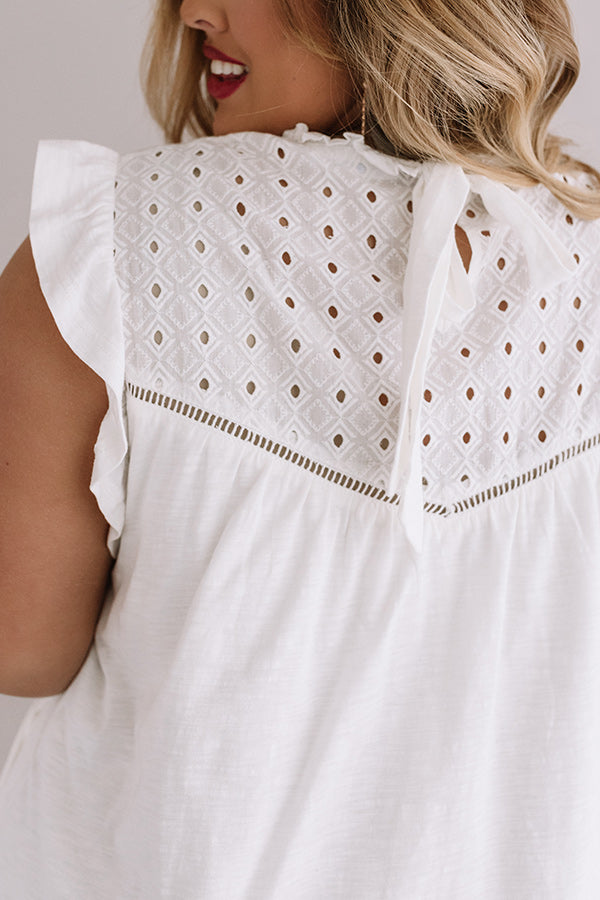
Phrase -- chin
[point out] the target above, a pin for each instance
(224, 124)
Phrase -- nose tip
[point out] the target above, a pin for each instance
(195, 14)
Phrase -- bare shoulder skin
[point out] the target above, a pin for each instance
(54, 563)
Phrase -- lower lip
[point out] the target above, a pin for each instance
(220, 88)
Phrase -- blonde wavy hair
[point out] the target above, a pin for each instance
(471, 82)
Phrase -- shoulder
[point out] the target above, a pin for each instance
(297, 176)
(256, 152)
(190, 156)
(554, 212)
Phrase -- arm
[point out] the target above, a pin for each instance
(54, 563)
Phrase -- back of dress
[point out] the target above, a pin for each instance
(352, 644)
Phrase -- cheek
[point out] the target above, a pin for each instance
(309, 79)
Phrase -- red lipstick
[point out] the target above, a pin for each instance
(222, 86)
(212, 53)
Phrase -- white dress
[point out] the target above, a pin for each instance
(352, 646)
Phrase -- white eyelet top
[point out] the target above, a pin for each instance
(351, 650)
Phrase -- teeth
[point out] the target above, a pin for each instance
(219, 67)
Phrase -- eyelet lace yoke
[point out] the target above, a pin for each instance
(311, 289)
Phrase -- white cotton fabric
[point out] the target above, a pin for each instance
(351, 649)
(71, 226)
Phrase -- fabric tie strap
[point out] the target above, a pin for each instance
(437, 287)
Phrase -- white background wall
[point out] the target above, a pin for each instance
(69, 70)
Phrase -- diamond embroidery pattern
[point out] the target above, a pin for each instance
(262, 280)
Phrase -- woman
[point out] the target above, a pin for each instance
(300, 526)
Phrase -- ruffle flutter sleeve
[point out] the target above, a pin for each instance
(71, 232)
